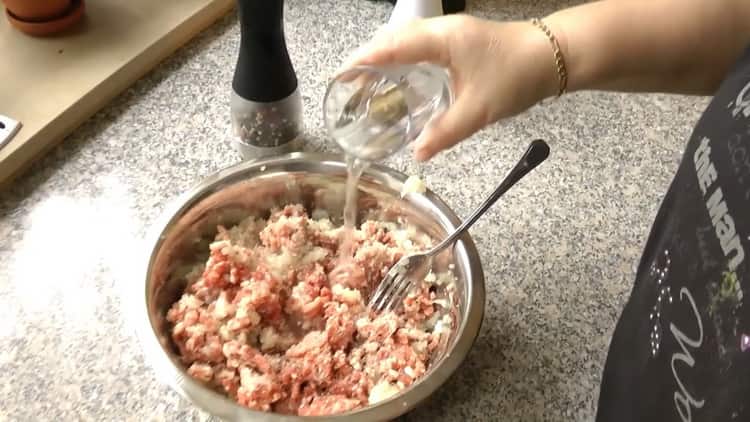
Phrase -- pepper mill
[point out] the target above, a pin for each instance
(408, 10)
(405, 11)
(266, 107)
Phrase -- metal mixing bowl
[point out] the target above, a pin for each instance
(181, 237)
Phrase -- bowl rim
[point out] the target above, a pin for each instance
(170, 373)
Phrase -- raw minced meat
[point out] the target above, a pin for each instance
(278, 321)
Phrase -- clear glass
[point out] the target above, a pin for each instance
(372, 112)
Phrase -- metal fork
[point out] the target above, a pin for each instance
(414, 268)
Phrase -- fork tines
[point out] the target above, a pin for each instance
(391, 291)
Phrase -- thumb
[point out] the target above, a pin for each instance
(416, 41)
(462, 119)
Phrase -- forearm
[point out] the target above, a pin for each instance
(681, 46)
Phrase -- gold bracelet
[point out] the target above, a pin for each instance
(562, 71)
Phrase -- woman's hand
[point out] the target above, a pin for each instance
(498, 70)
(501, 69)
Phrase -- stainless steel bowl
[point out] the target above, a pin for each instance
(181, 237)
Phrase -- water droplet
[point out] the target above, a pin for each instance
(651, 316)
(745, 343)
(670, 299)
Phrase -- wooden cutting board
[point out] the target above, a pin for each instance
(52, 85)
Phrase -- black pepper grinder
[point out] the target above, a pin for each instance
(266, 106)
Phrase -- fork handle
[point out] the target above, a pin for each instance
(535, 154)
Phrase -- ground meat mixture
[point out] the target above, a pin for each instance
(277, 320)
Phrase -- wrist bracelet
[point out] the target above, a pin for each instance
(562, 71)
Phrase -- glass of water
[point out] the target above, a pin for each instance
(372, 112)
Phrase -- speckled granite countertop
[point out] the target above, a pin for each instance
(559, 252)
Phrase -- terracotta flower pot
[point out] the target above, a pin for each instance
(43, 17)
(37, 10)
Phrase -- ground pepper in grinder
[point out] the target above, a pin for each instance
(266, 106)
